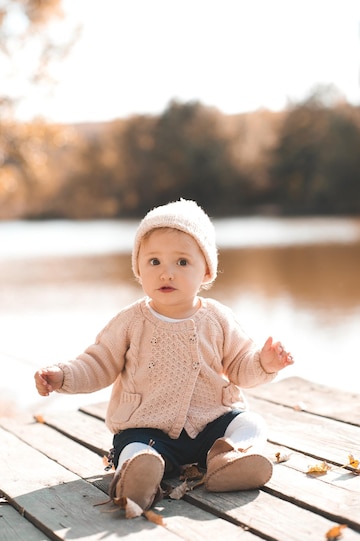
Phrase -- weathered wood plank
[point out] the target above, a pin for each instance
(312, 435)
(83, 428)
(335, 495)
(293, 505)
(58, 502)
(96, 410)
(313, 397)
(267, 515)
(289, 480)
(14, 527)
(295, 393)
(55, 445)
(66, 505)
(193, 523)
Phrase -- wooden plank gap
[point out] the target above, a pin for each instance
(87, 445)
(311, 455)
(228, 518)
(31, 519)
(313, 508)
(305, 410)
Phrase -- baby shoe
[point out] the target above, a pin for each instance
(230, 469)
(139, 479)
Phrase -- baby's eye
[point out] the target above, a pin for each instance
(154, 261)
(182, 262)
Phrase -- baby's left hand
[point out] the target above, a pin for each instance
(273, 356)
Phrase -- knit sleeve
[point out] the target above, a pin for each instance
(241, 356)
(99, 365)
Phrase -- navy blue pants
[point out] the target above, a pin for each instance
(176, 452)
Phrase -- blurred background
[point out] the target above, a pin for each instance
(111, 107)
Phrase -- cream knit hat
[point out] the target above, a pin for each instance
(185, 216)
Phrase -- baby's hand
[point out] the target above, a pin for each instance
(273, 356)
(48, 380)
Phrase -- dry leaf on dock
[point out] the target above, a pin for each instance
(282, 458)
(178, 492)
(133, 510)
(352, 463)
(107, 464)
(319, 469)
(335, 533)
(154, 517)
(190, 473)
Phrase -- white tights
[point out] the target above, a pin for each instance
(246, 430)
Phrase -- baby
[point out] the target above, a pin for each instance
(177, 363)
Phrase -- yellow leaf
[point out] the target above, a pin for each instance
(154, 517)
(319, 469)
(335, 533)
(353, 462)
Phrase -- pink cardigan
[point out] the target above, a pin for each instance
(170, 376)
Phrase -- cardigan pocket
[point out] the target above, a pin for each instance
(128, 404)
(233, 396)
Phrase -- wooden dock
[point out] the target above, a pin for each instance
(52, 477)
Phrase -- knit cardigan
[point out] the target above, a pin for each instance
(168, 375)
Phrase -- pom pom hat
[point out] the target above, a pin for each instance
(185, 216)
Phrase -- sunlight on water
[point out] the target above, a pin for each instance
(56, 238)
(297, 280)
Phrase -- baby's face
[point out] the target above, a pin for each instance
(172, 268)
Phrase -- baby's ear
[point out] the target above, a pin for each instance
(207, 275)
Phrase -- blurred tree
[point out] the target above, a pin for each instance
(30, 155)
(28, 45)
(316, 164)
(182, 153)
(90, 186)
(30, 42)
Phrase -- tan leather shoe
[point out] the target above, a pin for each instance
(139, 479)
(230, 469)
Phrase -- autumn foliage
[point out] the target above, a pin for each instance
(296, 162)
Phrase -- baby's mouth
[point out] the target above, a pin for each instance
(166, 289)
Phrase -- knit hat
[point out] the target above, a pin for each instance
(185, 216)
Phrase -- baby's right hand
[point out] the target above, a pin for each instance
(48, 380)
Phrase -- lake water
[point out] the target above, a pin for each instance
(295, 279)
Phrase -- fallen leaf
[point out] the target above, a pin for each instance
(154, 517)
(190, 473)
(335, 533)
(300, 406)
(353, 462)
(282, 458)
(178, 492)
(319, 469)
(107, 464)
